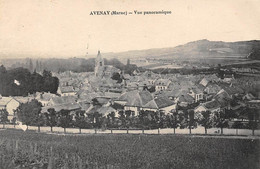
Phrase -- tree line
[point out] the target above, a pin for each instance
(30, 114)
(21, 82)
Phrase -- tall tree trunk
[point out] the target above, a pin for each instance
(95, 131)
(190, 130)
(143, 131)
(158, 130)
(3, 125)
(27, 127)
(127, 131)
(51, 129)
(221, 130)
(253, 131)
(64, 130)
(111, 131)
(206, 132)
(39, 129)
(236, 131)
(79, 130)
(174, 130)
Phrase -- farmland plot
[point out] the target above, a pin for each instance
(37, 150)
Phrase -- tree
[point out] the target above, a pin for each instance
(95, 102)
(39, 120)
(30, 66)
(128, 118)
(51, 118)
(174, 120)
(65, 119)
(2, 69)
(29, 112)
(238, 125)
(205, 119)
(116, 76)
(3, 116)
(111, 120)
(191, 121)
(80, 120)
(221, 120)
(253, 117)
(122, 118)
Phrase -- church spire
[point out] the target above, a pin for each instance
(99, 65)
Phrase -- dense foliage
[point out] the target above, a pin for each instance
(30, 114)
(20, 82)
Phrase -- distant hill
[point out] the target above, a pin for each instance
(60, 65)
(201, 48)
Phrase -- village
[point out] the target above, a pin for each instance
(108, 91)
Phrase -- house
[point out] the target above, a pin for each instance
(61, 100)
(106, 110)
(212, 88)
(248, 96)
(228, 78)
(184, 100)
(162, 84)
(66, 91)
(197, 93)
(207, 79)
(143, 100)
(223, 98)
(66, 106)
(134, 100)
(10, 105)
(44, 98)
(254, 104)
(162, 104)
(212, 106)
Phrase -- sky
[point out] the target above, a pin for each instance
(65, 28)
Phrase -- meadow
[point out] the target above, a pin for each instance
(29, 149)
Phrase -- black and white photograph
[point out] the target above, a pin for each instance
(129, 84)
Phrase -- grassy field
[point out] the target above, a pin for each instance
(20, 149)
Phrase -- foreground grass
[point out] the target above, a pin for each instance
(36, 150)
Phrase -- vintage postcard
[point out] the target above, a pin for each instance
(121, 84)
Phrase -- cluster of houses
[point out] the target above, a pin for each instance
(97, 92)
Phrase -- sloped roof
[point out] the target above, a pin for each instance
(136, 98)
(63, 100)
(213, 86)
(5, 100)
(89, 96)
(222, 97)
(197, 89)
(213, 104)
(248, 96)
(112, 95)
(162, 82)
(67, 106)
(23, 99)
(66, 89)
(162, 102)
(93, 109)
(185, 98)
(204, 81)
(106, 109)
(45, 96)
(84, 105)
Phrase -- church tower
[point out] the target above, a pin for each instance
(99, 65)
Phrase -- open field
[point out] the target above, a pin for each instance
(39, 150)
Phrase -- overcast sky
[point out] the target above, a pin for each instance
(64, 28)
